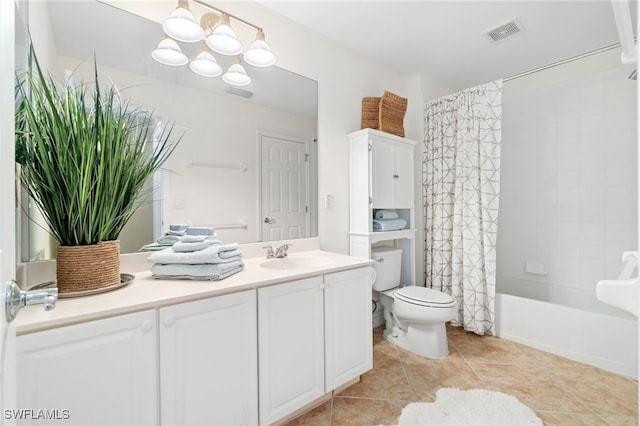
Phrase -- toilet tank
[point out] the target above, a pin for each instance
(388, 267)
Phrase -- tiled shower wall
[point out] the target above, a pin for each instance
(568, 202)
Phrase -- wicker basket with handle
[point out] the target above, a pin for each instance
(370, 113)
(391, 114)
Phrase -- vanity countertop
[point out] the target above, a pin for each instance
(145, 292)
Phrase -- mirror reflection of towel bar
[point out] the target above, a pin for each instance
(241, 224)
(237, 166)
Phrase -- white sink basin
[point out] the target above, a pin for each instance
(296, 262)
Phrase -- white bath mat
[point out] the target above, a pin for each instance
(469, 407)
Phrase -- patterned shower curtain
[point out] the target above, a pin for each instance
(461, 186)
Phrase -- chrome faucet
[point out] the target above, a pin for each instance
(282, 251)
(270, 253)
(45, 294)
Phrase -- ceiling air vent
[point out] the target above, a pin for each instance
(239, 92)
(505, 30)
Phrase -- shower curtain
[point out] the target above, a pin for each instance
(461, 186)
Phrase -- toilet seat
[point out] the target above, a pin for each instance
(422, 296)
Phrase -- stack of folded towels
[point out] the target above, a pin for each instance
(198, 255)
(171, 237)
(387, 220)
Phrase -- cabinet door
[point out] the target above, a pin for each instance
(348, 333)
(403, 177)
(101, 372)
(208, 361)
(291, 344)
(382, 171)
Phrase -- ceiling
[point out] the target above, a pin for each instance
(445, 39)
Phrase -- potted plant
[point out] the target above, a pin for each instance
(85, 156)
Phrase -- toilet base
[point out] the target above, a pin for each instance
(428, 340)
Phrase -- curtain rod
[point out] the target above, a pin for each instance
(562, 62)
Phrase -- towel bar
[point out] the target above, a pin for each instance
(238, 166)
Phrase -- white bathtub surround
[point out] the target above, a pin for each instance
(461, 187)
(596, 338)
(568, 196)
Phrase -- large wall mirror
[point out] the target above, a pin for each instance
(246, 164)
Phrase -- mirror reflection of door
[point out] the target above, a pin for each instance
(284, 195)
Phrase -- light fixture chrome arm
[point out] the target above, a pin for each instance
(220, 11)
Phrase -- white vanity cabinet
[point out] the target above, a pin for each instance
(291, 346)
(381, 176)
(208, 361)
(314, 336)
(101, 372)
(347, 324)
(254, 356)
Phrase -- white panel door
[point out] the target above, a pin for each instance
(101, 372)
(284, 191)
(348, 332)
(209, 361)
(7, 206)
(291, 346)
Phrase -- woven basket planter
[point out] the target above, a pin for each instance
(90, 267)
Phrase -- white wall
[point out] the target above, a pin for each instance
(568, 180)
(344, 78)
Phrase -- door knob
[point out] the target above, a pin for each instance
(15, 298)
(269, 221)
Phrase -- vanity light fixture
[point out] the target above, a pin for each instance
(181, 25)
(205, 64)
(236, 74)
(216, 32)
(223, 39)
(259, 53)
(168, 52)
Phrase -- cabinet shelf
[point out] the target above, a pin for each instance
(375, 237)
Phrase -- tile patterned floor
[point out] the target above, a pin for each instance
(560, 391)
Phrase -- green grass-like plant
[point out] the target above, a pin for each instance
(85, 155)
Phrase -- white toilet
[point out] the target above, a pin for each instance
(414, 316)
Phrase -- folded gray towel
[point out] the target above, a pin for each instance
(196, 272)
(168, 240)
(386, 214)
(208, 255)
(389, 225)
(228, 254)
(193, 238)
(152, 247)
(200, 230)
(178, 233)
(178, 227)
(183, 247)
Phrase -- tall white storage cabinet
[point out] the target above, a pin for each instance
(381, 176)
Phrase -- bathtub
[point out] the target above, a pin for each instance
(568, 322)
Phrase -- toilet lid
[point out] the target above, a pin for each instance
(424, 297)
